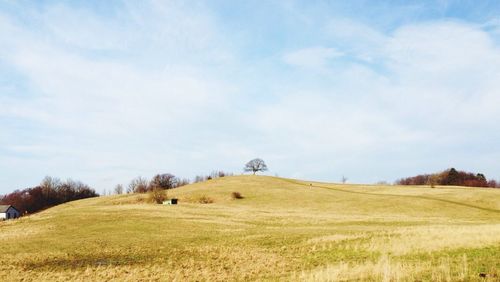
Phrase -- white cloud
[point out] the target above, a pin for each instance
(444, 47)
(360, 40)
(174, 96)
(445, 69)
(83, 29)
(98, 117)
(437, 88)
(313, 57)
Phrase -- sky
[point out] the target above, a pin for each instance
(105, 91)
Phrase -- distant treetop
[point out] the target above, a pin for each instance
(450, 177)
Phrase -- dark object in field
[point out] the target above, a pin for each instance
(170, 202)
(486, 275)
(236, 195)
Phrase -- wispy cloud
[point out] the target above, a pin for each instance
(359, 40)
(146, 87)
(313, 57)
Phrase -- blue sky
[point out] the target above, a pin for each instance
(104, 91)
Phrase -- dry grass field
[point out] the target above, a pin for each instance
(282, 230)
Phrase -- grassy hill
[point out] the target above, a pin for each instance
(282, 230)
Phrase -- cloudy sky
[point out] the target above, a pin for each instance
(104, 91)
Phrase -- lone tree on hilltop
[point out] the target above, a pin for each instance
(256, 165)
(343, 179)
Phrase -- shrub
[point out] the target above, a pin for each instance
(213, 175)
(205, 200)
(236, 195)
(157, 195)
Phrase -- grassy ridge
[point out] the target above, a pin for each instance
(283, 229)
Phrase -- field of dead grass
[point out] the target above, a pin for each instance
(281, 230)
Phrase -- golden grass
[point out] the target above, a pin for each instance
(434, 238)
(281, 230)
(387, 270)
(382, 270)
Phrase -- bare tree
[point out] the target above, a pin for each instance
(50, 182)
(183, 182)
(49, 193)
(433, 180)
(256, 165)
(138, 185)
(118, 189)
(199, 178)
(163, 181)
(213, 175)
(344, 179)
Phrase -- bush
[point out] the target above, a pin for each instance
(236, 195)
(157, 195)
(205, 200)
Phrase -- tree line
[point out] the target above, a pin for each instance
(164, 181)
(167, 181)
(53, 191)
(450, 177)
(50, 192)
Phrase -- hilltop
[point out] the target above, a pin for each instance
(281, 229)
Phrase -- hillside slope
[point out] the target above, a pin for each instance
(282, 229)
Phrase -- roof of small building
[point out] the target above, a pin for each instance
(4, 208)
